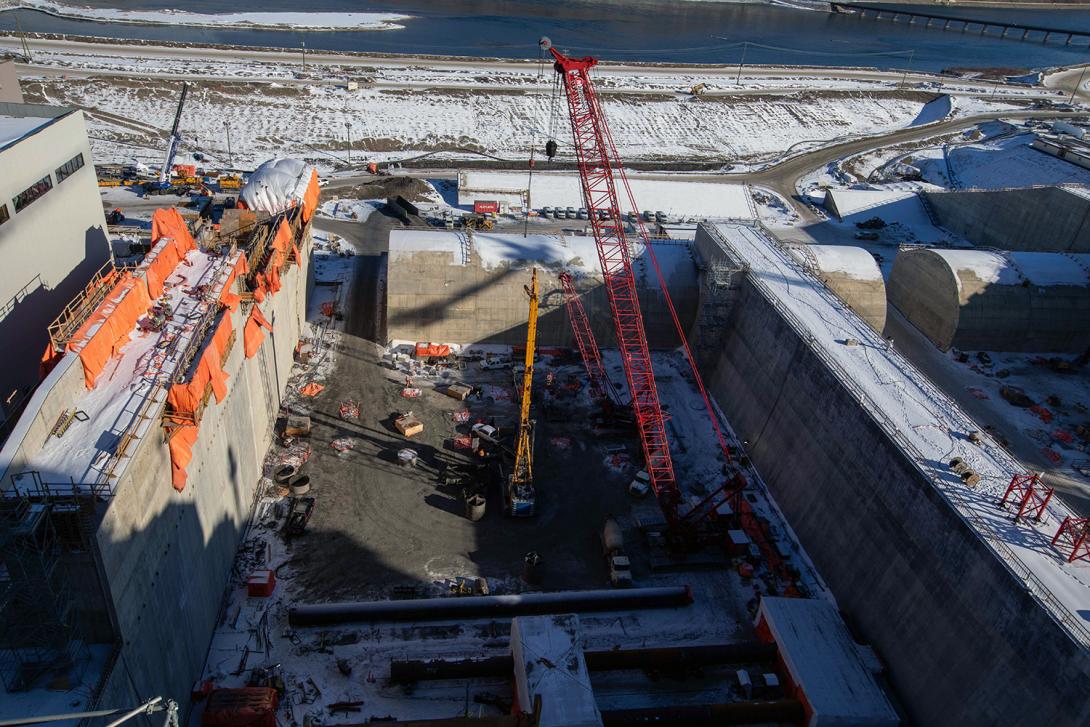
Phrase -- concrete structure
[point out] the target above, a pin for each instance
(1036, 219)
(1071, 150)
(850, 272)
(52, 232)
(980, 299)
(975, 616)
(450, 287)
(10, 91)
(844, 203)
(151, 586)
(824, 665)
(548, 657)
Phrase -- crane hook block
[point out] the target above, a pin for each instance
(550, 148)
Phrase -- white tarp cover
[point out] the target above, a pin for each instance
(276, 185)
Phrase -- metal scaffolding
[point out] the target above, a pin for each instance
(39, 630)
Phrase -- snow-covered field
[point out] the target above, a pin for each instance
(272, 20)
(1008, 161)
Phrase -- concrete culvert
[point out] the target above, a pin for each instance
(283, 475)
(301, 485)
(993, 300)
(852, 274)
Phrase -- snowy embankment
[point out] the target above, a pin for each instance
(313, 121)
(264, 21)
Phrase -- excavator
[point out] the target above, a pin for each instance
(520, 495)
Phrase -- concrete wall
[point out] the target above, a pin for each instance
(957, 308)
(1039, 219)
(167, 556)
(10, 91)
(428, 299)
(863, 290)
(964, 642)
(51, 248)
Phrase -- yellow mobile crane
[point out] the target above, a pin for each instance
(520, 486)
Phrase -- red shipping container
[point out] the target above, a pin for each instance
(485, 207)
(261, 583)
(243, 707)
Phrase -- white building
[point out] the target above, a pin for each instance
(53, 234)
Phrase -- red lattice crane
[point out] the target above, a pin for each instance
(600, 385)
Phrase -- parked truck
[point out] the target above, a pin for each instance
(620, 568)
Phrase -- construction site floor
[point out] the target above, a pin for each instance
(379, 525)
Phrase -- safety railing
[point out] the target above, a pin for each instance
(80, 308)
(1040, 591)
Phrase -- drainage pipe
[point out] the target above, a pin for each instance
(475, 607)
(668, 659)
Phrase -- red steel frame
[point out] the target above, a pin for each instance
(1077, 532)
(584, 339)
(596, 169)
(1032, 500)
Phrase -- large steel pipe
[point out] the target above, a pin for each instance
(473, 607)
(667, 659)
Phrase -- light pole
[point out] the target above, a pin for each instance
(348, 133)
(745, 44)
(230, 154)
(904, 77)
(304, 56)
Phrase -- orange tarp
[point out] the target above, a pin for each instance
(426, 350)
(108, 328)
(269, 281)
(311, 389)
(185, 399)
(168, 253)
(168, 222)
(310, 198)
(228, 297)
(252, 335)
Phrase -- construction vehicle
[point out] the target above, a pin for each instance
(477, 222)
(699, 89)
(620, 567)
(602, 178)
(163, 183)
(521, 497)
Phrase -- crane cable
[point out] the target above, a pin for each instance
(533, 148)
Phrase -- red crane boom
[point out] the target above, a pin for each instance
(597, 162)
(584, 338)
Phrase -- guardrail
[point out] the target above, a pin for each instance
(1037, 589)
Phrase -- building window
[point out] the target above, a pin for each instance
(66, 170)
(32, 193)
(4, 214)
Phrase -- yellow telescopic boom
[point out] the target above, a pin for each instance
(523, 472)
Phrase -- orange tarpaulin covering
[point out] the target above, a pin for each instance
(269, 281)
(185, 399)
(108, 328)
(252, 335)
(426, 350)
(228, 297)
(168, 222)
(311, 389)
(310, 199)
(168, 252)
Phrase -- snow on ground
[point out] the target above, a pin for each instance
(75, 696)
(1008, 161)
(395, 123)
(349, 209)
(267, 21)
(933, 111)
(773, 210)
(929, 426)
(675, 198)
(332, 268)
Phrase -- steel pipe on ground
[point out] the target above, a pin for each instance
(668, 658)
(472, 607)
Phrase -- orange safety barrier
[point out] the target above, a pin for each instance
(108, 328)
(186, 399)
(310, 198)
(228, 297)
(168, 222)
(252, 335)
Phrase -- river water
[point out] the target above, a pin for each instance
(637, 30)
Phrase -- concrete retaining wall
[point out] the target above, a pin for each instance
(429, 299)
(1039, 219)
(964, 642)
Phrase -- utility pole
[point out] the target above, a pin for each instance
(22, 38)
(1077, 85)
(348, 133)
(304, 56)
(745, 44)
(230, 155)
(904, 77)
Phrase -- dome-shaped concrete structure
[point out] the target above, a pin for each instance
(999, 301)
(852, 274)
